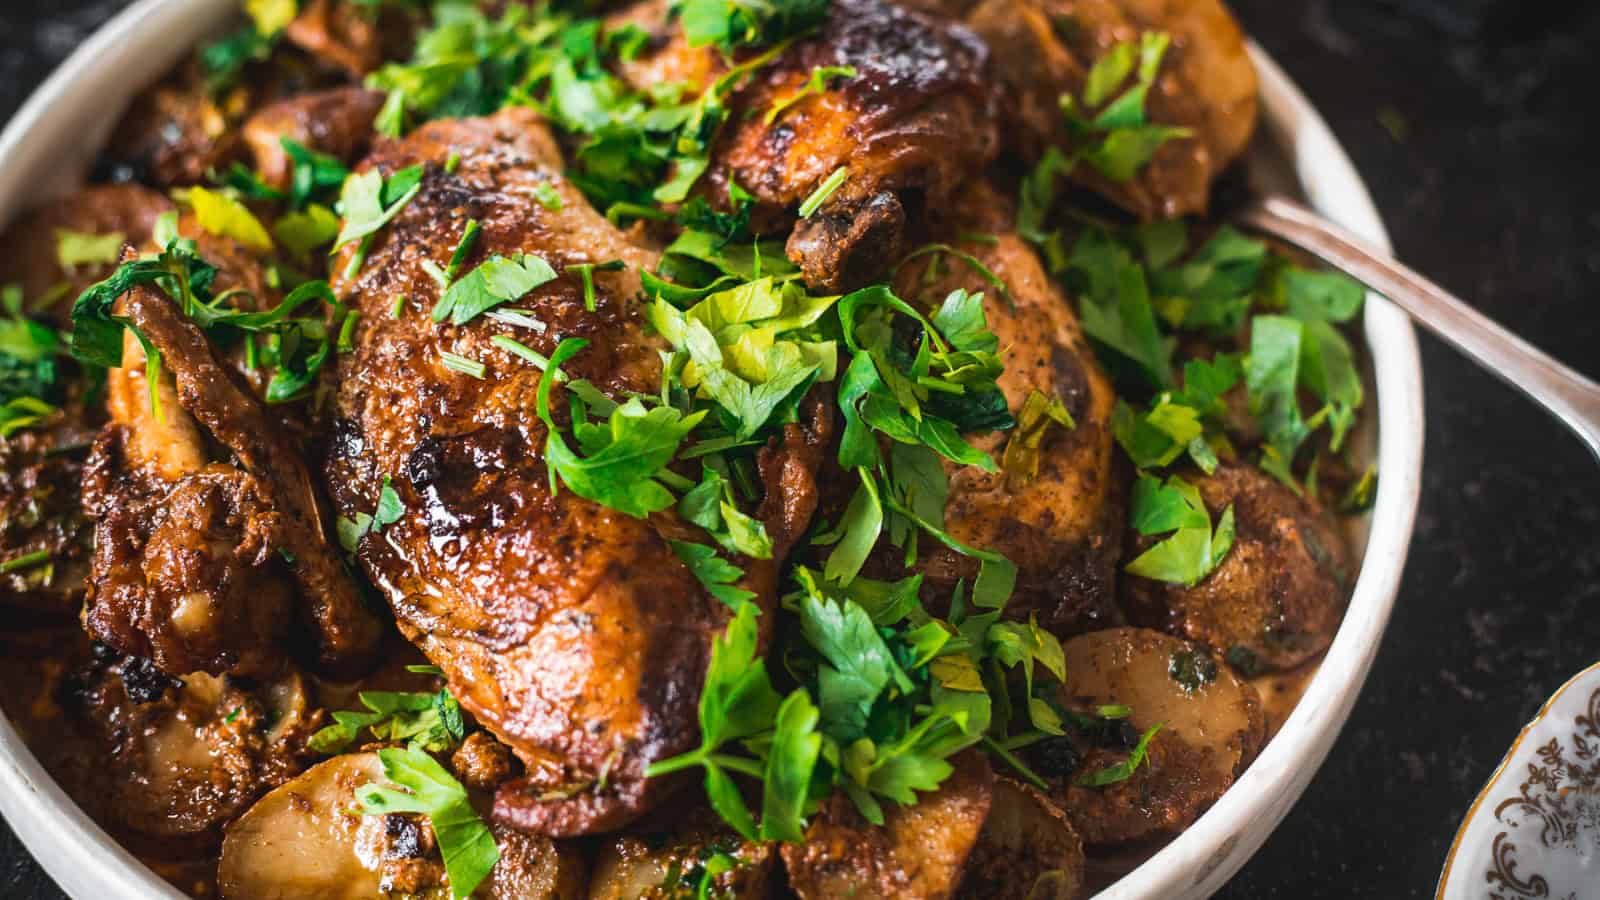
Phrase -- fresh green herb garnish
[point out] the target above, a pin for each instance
(497, 280)
(467, 845)
(368, 201)
(1194, 549)
(25, 561)
(1111, 130)
(816, 84)
(1021, 459)
(455, 362)
(429, 721)
(823, 191)
(77, 248)
(1124, 770)
(621, 462)
(226, 217)
(731, 24)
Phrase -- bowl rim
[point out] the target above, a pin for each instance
(94, 81)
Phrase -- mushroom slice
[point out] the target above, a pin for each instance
(307, 839)
(918, 852)
(304, 840)
(1211, 727)
(1276, 600)
(648, 863)
(1027, 850)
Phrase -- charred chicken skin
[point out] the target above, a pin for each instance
(195, 559)
(913, 122)
(569, 629)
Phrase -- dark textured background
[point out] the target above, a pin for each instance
(1472, 123)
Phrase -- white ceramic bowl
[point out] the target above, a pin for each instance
(54, 138)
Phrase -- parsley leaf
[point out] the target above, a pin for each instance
(497, 280)
(368, 201)
(78, 248)
(711, 505)
(716, 574)
(730, 24)
(467, 845)
(1194, 549)
(622, 459)
(791, 761)
(1124, 770)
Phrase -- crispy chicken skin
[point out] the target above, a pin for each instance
(916, 121)
(195, 558)
(569, 629)
(1044, 48)
(1060, 528)
(337, 122)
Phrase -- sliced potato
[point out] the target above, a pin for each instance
(918, 853)
(656, 865)
(1028, 849)
(1276, 599)
(305, 839)
(1211, 727)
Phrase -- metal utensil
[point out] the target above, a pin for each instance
(1572, 398)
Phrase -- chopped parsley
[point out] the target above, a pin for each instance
(467, 845)
(495, 281)
(731, 24)
(466, 365)
(296, 348)
(1124, 770)
(1110, 128)
(77, 248)
(430, 721)
(816, 84)
(823, 191)
(1193, 549)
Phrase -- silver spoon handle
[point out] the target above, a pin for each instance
(1572, 398)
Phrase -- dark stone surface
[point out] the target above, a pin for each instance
(1472, 121)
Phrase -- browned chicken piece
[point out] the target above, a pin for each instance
(41, 513)
(1059, 525)
(163, 763)
(1045, 48)
(173, 134)
(186, 573)
(915, 121)
(195, 558)
(349, 36)
(337, 122)
(185, 128)
(570, 630)
(31, 258)
(664, 859)
(918, 853)
(1276, 599)
(1211, 721)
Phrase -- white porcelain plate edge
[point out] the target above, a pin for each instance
(51, 141)
(1539, 838)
